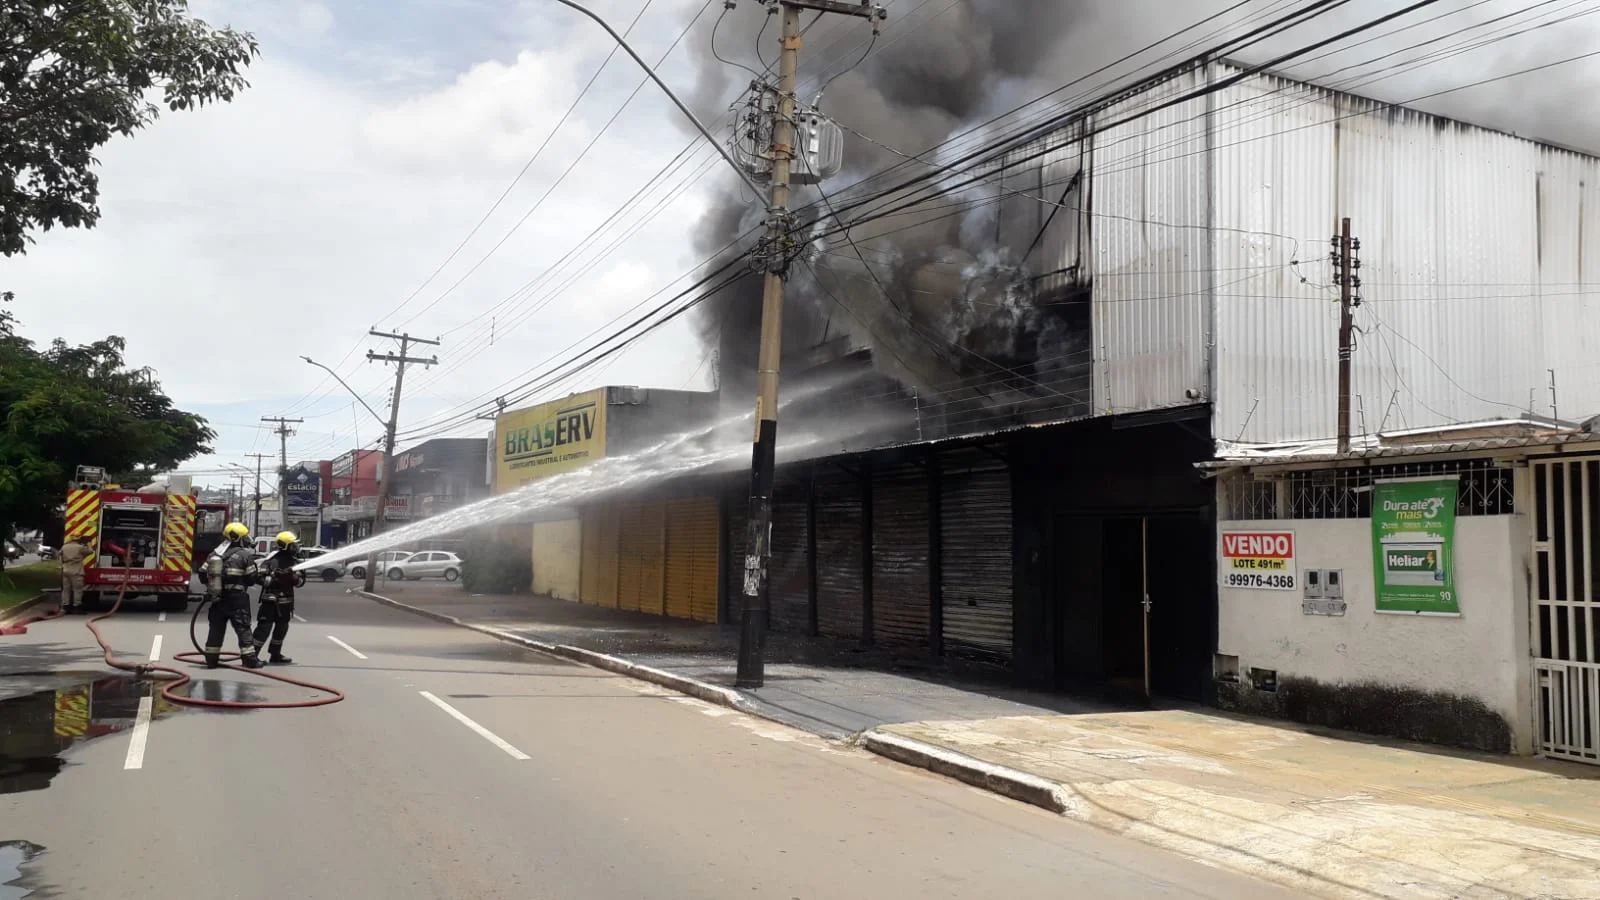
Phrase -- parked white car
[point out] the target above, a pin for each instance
(427, 564)
(358, 567)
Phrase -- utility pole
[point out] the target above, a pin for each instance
(283, 431)
(774, 254)
(1345, 264)
(255, 523)
(380, 516)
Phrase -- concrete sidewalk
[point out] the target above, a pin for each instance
(1330, 814)
(828, 688)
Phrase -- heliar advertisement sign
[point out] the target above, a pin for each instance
(549, 439)
(1413, 546)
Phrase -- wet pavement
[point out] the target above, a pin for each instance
(13, 856)
(828, 687)
(37, 729)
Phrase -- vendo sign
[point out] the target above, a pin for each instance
(1259, 560)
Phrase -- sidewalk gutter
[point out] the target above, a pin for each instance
(15, 620)
(1007, 782)
(700, 690)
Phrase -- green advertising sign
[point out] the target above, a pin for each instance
(1413, 546)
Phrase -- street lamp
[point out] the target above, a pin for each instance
(372, 558)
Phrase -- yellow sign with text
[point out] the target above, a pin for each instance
(549, 439)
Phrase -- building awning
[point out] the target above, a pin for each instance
(1519, 437)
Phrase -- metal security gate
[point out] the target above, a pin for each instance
(789, 572)
(975, 530)
(1566, 625)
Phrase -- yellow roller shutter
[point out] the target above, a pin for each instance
(599, 574)
(692, 559)
(640, 565)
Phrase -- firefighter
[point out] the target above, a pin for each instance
(72, 557)
(229, 574)
(277, 596)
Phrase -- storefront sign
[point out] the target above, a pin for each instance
(549, 439)
(1413, 546)
(1259, 560)
(303, 489)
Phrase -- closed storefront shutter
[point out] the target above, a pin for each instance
(599, 575)
(733, 561)
(900, 595)
(640, 569)
(977, 561)
(839, 575)
(790, 595)
(692, 559)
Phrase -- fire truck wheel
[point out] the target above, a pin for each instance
(173, 602)
(91, 601)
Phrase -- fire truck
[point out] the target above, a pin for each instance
(150, 540)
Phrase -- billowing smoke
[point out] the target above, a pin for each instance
(944, 301)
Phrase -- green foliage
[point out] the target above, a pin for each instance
(497, 567)
(28, 582)
(69, 406)
(73, 73)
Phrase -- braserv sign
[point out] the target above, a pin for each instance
(549, 439)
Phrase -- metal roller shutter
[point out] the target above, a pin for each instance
(640, 576)
(839, 576)
(900, 593)
(692, 559)
(790, 595)
(598, 579)
(733, 562)
(977, 562)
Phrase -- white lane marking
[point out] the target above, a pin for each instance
(155, 649)
(161, 618)
(298, 617)
(141, 733)
(357, 653)
(483, 732)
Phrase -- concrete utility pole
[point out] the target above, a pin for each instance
(1345, 264)
(283, 431)
(775, 253)
(386, 476)
(255, 523)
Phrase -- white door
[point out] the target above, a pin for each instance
(1566, 609)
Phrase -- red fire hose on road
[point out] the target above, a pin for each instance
(198, 656)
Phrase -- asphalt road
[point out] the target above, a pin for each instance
(462, 767)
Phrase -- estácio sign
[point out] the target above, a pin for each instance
(1259, 560)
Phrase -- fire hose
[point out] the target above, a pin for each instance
(180, 678)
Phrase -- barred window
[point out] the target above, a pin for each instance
(1346, 493)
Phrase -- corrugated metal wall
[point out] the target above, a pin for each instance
(1148, 201)
(1477, 250)
(900, 556)
(737, 514)
(640, 562)
(977, 563)
(789, 594)
(839, 562)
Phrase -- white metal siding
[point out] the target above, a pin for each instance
(1476, 250)
(1148, 203)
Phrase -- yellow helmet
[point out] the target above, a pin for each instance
(236, 531)
(286, 539)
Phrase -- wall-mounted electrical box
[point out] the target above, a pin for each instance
(1324, 593)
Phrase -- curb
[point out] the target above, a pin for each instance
(12, 621)
(700, 690)
(1007, 782)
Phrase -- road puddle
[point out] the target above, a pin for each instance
(13, 856)
(37, 728)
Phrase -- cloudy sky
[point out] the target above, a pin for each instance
(375, 137)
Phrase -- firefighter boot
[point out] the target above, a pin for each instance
(278, 659)
(251, 661)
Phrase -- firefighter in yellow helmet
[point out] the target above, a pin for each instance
(277, 596)
(229, 573)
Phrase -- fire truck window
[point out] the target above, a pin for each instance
(210, 521)
(130, 538)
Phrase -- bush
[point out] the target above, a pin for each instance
(497, 567)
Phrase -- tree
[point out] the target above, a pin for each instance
(69, 406)
(73, 73)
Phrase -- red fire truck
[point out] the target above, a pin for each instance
(150, 540)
